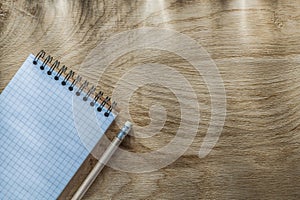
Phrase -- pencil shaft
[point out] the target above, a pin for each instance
(97, 169)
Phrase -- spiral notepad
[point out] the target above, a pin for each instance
(50, 121)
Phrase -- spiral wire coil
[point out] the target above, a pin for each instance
(82, 85)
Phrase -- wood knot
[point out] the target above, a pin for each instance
(3, 12)
(277, 21)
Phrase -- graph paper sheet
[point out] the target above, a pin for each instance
(41, 147)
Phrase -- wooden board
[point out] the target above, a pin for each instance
(255, 46)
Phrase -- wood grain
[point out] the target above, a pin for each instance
(255, 45)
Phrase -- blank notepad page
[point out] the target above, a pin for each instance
(40, 145)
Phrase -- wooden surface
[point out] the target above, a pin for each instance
(255, 45)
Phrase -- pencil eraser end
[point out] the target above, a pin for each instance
(128, 124)
(125, 130)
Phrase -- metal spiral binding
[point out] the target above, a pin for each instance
(91, 91)
(46, 61)
(70, 75)
(54, 65)
(99, 95)
(105, 101)
(112, 106)
(61, 70)
(76, 81)
(41, 54)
